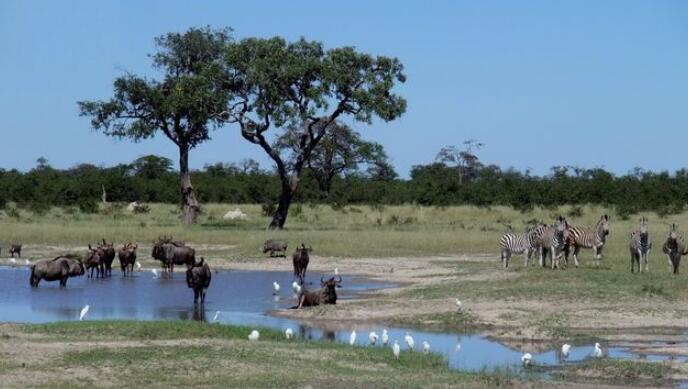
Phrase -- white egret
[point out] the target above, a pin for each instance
(216, 318)
(84, 311)
(526, 359)
(458, 346)
(352, 338)
(289, 333)
(598, 351)
(385, 337)
(138, 266)
(409, 341)
(275, 287)
(426, 347)
(458, 305)
(396, 350)
(27, 263)
(254, 335)
(296, 288)
(336, 271)
(373, 338)
(155, 273)
(565, 350)
(14, 261)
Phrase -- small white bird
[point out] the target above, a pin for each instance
(289, 333)
(396, 350)
(84, 311)
(216, 318)
(565, 350)
(598, 351)
(458, 305)
(409, 341)
(426, 347)
(14, 261)
(138, 266)
(296, 288)
(385, 337)
(155, 273)
(373, 338)
(526, 359)
(458, 346)
(336, 271)
(275, 287)
(254, 335)
(27, 263)
(352, 338)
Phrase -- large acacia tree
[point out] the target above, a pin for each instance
(278, 85)
(183, 105)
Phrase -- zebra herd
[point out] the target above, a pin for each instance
(560, 239)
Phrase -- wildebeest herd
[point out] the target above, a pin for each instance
(98, 259)
(561, 239)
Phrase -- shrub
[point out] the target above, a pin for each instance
(268, 209)
(88, 205)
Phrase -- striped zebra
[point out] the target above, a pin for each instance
(588, 238)
(674, 248)
(640, 247)
(552, 241)
(524, 243)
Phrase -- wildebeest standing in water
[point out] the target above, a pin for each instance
(301, 259)
(275, 246)
(326, 295)
(198, 278)
(127, 258)
(59, 268)
(107, 254)
(94, 260)
(171, 252)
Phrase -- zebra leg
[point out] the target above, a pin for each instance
(576, 249)
(554, 257)
(647, 264)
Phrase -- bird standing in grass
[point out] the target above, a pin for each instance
(84, 311)
(526, 359)
(385, 337)
(426, 347)
(373, 338)
(409, 341)
(598, 351)
(565, 350)
(253, 336)
(275, 287)
(289, 333)
(396, 350)
(459, 306)
(352, 338)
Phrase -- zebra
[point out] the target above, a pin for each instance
(589, 238)
(552, 241)
(524, 243)
(640, 247)
(674, 247)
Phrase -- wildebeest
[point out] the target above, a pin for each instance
(674, 248)
(127, 258)
(170, 252)
(94, 260)
(301, 259)
(59, 268)
(326, 295)
(15, 249)
(198, 278)
(275, 246)
(107, 254)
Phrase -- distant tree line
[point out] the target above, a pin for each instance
(441, 183)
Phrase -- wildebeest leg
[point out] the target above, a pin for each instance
(202, 295)
(196, 295)
(63, 282)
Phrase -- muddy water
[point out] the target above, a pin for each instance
(244, 298)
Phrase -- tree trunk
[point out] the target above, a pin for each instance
(189, 204)
(280, 216)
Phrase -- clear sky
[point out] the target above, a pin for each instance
(541, 83)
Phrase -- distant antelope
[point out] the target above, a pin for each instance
(588, 238)
(524, 243)
(640, 247)
(552, 241)
(674, 247)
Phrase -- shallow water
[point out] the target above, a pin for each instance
(244, 298)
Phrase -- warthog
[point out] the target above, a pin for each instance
(127, 258)
(301, 259)
(107, 254)
(326, 295)
(275, 246)
(59, 268)
(170, 253)
(15, 249)
(198, 278)
(94, 260)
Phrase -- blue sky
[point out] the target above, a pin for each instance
(541, 83)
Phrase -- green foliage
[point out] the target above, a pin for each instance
(88, 205)
(267, 209)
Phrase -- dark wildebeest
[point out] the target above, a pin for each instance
(171, 253)
(59, 268)
(674, 248)
(198, 278)
(301, 259)
(127, 258)
(94, 260)
(15, 249)
(107, 254)
(326, 295)
(275, 246)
